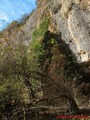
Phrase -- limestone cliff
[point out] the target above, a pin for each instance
(73, 21)
(66, 43)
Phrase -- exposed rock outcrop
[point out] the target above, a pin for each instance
(71, 18)
(70, 27)
(73, 21)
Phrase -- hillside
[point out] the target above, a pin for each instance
(45, 62)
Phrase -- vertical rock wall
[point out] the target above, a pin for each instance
(73, 21)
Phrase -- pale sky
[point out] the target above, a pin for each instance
(11, 10)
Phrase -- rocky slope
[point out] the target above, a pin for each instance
(69, 60)
(72, 20)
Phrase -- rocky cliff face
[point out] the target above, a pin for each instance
(20, 31)
(73, 21)
(70, 27)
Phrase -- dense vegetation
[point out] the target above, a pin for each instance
(25, 76)
(19, 69)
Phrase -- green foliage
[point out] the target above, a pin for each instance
(36, 51)
(41, 29)
(52, 41)
(12, 63)
(17, 61)
(10, 90)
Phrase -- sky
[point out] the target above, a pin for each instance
(11, 10)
